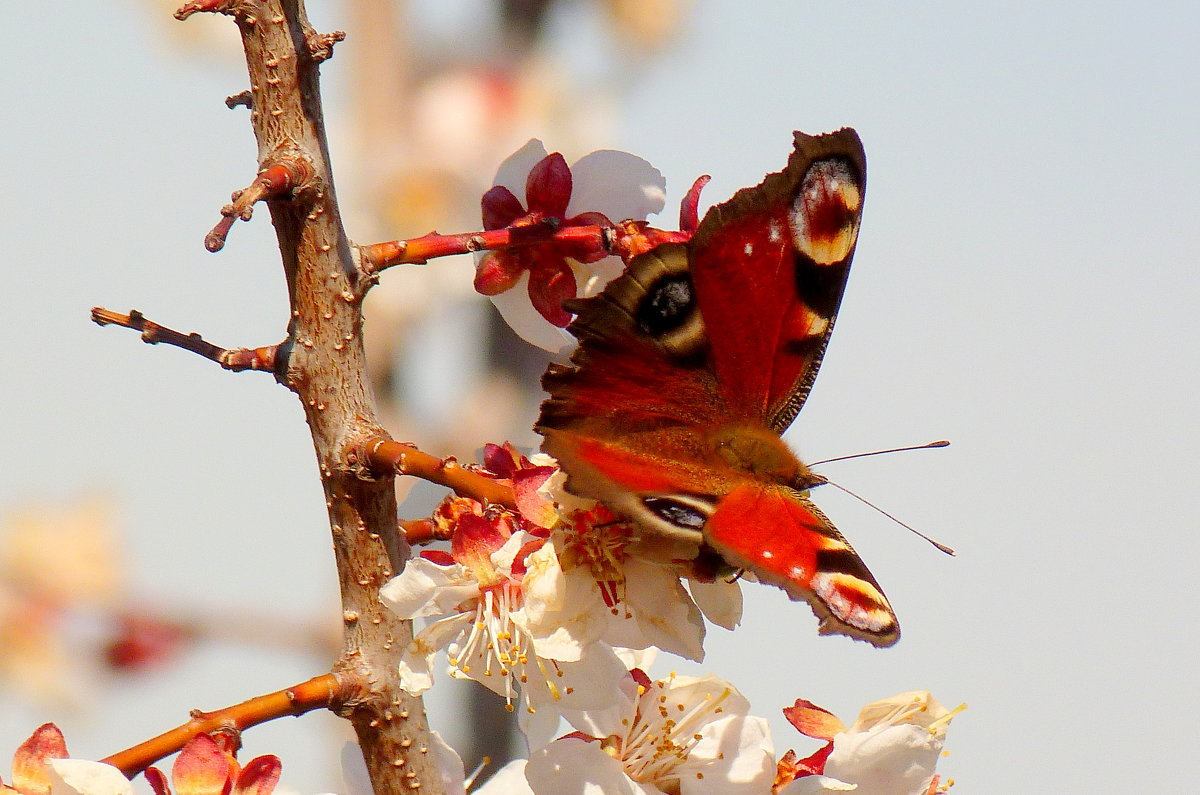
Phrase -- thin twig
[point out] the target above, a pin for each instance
(418, 532)
(387, 456)
(626, 239)
(236, 359)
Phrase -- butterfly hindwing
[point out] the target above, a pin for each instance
(785, 540)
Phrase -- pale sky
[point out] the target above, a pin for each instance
(1025, 285)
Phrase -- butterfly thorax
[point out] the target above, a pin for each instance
(759, 452)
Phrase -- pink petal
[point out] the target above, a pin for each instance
(814, 764)
(548, 189)
(548, 290)
(202, 768)
(689, 208)
(500, 208)
(497, 272)
(438, 556)
(501, 460)
(532, 505)
(29, 772)
(813, 721)
(157, 781)
(520, 562)
(259, 776)
(475, 539)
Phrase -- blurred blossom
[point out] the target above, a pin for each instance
(53, 561)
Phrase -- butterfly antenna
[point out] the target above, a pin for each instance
(931, 445)
(939, 545)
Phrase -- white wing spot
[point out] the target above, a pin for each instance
(774, 234)
(768, 554)
(748, 249)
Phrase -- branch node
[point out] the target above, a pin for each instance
(320, 45)
(283, 175)
(245, 98)
(233, 8)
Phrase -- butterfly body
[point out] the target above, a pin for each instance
(692, 364)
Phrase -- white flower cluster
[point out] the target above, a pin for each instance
(561, 621)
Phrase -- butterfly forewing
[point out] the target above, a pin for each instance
(770, 266)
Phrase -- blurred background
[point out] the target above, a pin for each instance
(1025, 285)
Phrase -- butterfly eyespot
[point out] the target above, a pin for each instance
(667, 305)
(825, 212)
(687, 513)
(661, 299)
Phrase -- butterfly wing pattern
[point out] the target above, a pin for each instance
(691, 365)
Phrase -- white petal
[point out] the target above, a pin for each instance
(81, 777)
(735, 756)
(576, 767)
(720, 601)
(815, 785)
(540, 726)
(514, 171)
(618, 184)
(689, 690)
(637, 658)
(521, 317)
(607, 719)
(917, 707)
(563, 613)
(425, 588)
(887, 760)
(592, 277)
(449, 765)
(508, 780)
(416, 665)
(591, 682)
(554, 488)
(504, 557)
(658, 612)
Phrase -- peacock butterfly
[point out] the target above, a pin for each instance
(691, 365)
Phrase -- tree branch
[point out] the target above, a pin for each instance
(326, 368)
(320, 692)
